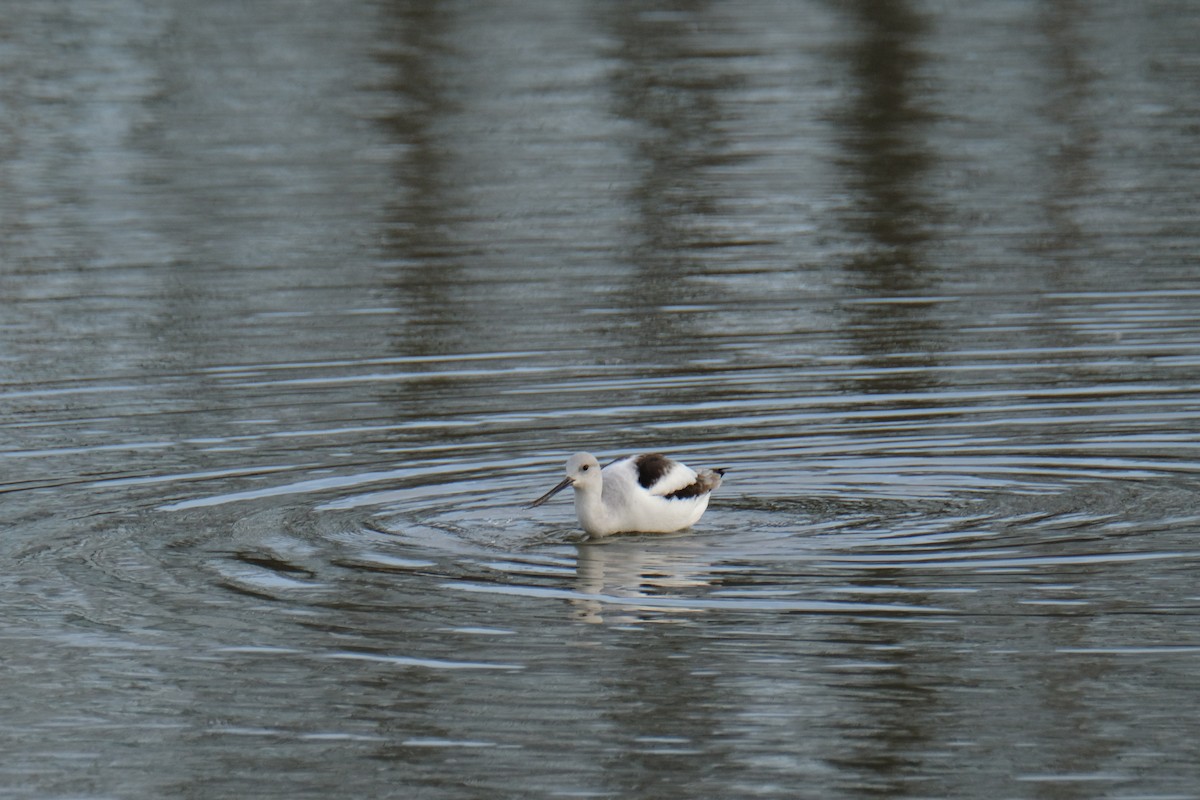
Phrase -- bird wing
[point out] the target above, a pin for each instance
(662, 476)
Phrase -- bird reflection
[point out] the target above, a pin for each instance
(638, 579)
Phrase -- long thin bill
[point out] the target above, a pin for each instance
(565, 483)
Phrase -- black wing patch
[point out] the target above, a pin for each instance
(651, 467)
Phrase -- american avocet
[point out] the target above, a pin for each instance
(639, 494)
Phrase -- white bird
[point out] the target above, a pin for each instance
(639, 494)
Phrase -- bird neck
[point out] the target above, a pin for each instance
(590, 508)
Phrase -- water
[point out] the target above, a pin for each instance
(303, 301)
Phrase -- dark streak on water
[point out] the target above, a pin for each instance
(303, 302)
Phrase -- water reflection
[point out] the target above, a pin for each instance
(887, 148)
(887, 155)
(670, 81)
(1069, 176)
(417, 242)
(886, 699)
(636, 568)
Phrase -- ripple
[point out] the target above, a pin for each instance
(420, 663)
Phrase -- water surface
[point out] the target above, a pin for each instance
(304, 301)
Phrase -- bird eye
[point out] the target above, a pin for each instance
(584, 468)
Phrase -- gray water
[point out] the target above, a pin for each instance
(302, 301)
